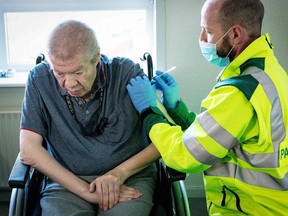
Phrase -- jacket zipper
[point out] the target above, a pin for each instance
(236, 196)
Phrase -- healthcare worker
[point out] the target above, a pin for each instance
(239, 140)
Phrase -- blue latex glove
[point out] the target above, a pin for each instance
(169, 87)
(142, 93)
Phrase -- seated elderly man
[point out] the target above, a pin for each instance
(99, 161)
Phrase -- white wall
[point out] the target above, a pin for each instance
(195, 76)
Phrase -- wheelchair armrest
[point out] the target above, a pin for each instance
(19, 174)
(171, 174)
(174, 175)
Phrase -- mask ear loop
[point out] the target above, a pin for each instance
(230, 51)
(223, 36)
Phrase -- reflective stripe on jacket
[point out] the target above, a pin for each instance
(239, 140)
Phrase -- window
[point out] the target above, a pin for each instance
(123, 28)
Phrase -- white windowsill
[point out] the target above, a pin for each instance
(18, 79)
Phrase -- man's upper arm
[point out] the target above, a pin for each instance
(30, 143)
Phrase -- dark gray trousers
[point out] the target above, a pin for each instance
(57, 201)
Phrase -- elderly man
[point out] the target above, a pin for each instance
(99, 161)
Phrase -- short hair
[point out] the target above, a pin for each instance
(248, 13)
(73, 38)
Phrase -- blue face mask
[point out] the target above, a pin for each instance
(209, 51)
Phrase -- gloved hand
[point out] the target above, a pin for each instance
(142, 93)
(169, 87)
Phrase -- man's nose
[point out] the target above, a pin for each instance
(203, 36)
(70, 81)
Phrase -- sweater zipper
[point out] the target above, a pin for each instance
(224, 188)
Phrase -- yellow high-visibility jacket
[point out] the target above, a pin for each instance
(239, 140)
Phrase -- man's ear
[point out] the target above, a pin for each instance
(98, 56)
(239, 33)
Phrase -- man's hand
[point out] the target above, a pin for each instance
(110, 190)
(142, 93)
(128, 193)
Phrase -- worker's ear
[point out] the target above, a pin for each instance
(239, 33)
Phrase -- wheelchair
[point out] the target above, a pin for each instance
(170, 198)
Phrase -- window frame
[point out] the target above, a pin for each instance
(70, 5)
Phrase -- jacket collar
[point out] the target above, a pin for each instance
(253, 55)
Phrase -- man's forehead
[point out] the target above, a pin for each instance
(67, 65)
(67, 68)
